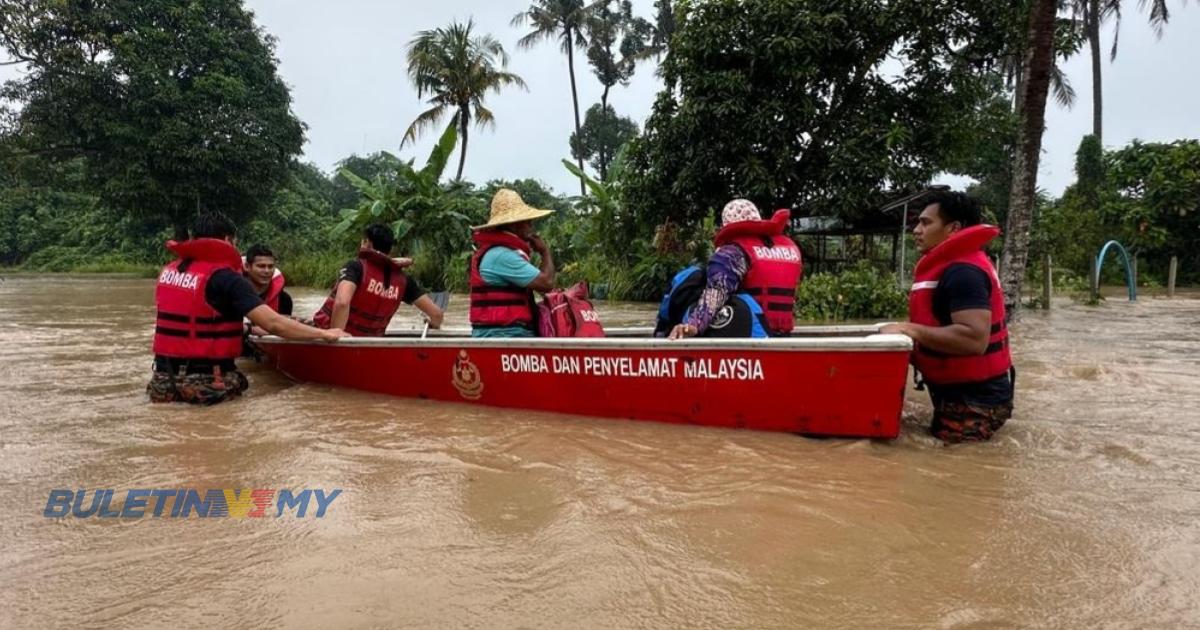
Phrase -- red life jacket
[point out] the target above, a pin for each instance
(374, 302)
(271, 297)
(775, 266)
(938, 368)
(493, 305)
(187, 327)
(569, 313)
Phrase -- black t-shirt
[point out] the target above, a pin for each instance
(231, 294)
(353, 271)
(965, 287)
(285, 303)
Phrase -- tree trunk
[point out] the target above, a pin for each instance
(574, 99)
(605, 158)
(180, 224)
(1093, 34)
(463, 120)
(1035, 68)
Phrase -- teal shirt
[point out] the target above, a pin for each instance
(502, 266)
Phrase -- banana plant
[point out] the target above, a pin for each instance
(431, 220)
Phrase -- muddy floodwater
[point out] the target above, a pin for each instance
(1084, 512)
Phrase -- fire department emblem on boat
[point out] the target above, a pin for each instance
(466, 377)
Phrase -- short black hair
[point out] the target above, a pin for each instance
(256, 250)
(213, 225)
(956, 206)
(381, 236)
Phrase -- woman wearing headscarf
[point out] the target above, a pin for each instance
(753, 257)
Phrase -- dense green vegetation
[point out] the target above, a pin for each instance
(133, 116)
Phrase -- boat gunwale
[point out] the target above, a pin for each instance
(872, 342)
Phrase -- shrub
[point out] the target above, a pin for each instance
(317, 269)
(861, 292)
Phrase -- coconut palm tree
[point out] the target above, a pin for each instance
(1093, 13)
(565, 20)
(1036, 71)
(456, 69)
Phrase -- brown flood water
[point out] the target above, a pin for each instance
(1084, 512)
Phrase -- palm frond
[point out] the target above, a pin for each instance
(1063, 92)
(1159, 14)
(428, 118)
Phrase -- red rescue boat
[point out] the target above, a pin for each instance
(823, 380)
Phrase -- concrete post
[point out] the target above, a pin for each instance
(1171, 271)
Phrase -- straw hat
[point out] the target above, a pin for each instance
(508, 207)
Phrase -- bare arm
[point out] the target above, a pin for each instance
(275, 324)
(545, 279)
(341, 304)
(966, 335)
(432, 312)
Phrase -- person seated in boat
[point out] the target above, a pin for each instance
(201, 299)
(259, 268)
(753, 257)
(502, 277)
(370, 288)
(740, 317)
(957, 321)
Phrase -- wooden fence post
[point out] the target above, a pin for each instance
(1047, 282)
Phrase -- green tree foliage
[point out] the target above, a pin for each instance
(297, 219)
(431, 220)
(618, 41)
(1145, 195)
(456, 69)
(813, 104)
(602, 136)
(344, 194)
(174, 106)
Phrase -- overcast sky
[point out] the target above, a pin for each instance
(344, 61)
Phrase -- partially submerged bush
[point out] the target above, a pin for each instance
(860, 292)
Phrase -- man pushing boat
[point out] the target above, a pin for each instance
(201, 299)
(957, 321)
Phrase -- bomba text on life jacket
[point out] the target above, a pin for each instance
(388, 293)
(178, 279)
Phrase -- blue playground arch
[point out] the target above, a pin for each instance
(1128, 269)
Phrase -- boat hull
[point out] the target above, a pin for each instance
(831, 387)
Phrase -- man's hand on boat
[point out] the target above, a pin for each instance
(273, 323)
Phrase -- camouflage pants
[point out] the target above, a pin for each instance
(198, 389)
(959, 421)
